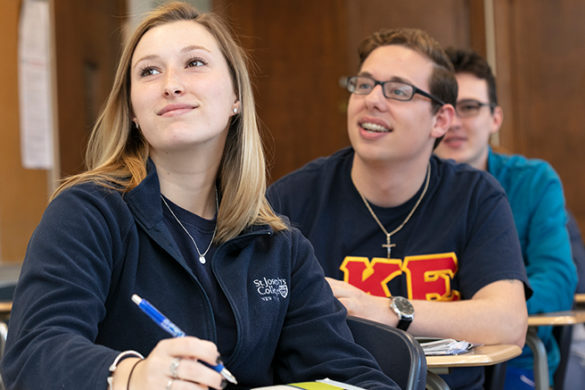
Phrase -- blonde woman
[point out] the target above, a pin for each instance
(172, 208)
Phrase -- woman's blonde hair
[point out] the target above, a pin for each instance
(117, 153)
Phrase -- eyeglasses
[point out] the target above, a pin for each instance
(470, 107)
(397, 90)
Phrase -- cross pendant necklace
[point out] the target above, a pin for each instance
(389, 245)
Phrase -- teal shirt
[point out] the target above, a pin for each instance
(536, 196)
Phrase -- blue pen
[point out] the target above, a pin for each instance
(175, 331)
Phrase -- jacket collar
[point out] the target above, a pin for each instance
(144, 202)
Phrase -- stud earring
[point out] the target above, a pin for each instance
(235, 110)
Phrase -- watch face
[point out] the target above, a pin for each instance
(403, 305)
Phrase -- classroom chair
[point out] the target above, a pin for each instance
(564, 334)
(399, 355)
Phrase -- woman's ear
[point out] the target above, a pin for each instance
(236, 107)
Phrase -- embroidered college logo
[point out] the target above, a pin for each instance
(271, 288)
(428, 277)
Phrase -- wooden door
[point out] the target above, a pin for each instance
(23, 195)
(541, 81)
(88, 40)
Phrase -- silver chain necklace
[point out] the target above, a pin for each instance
(388, 245)
(202, 259)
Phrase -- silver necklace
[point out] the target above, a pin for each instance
(202, 259)
(388, 245)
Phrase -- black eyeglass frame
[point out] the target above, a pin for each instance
(476, 102)
(415, 89)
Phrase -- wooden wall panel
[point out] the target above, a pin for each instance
(88, 40)
(303, 47)
(23, 193)
(88, 37)
(299, 50)
(447, 21)
(541, 78)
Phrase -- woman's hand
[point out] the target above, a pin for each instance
(174, 364)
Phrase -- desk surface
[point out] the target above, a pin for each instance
(5, 307)
(484, 355)
(568, 317)
(9, 272)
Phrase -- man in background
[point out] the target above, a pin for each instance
(536, 197)
(408, 239)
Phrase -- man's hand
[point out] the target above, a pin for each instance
(361, 304)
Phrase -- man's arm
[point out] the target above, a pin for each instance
(496, 314)
(549, 263)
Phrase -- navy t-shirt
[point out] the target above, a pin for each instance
(202, 232)
(461, 237)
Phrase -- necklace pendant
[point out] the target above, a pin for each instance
(202, 259)
(388, 245)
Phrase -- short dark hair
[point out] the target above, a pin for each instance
(468, 61)
(442, 83)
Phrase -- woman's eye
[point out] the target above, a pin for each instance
(148, 71)
(195, 62)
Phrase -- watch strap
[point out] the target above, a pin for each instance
(404, 323)
(404, 320)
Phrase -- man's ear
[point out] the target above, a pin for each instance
(442, 120)
(497, 119)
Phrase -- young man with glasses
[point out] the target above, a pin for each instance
(389, 220)
(536, 197)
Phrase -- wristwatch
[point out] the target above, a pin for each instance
(404, 310)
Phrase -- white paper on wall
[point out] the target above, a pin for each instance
(34, 82)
